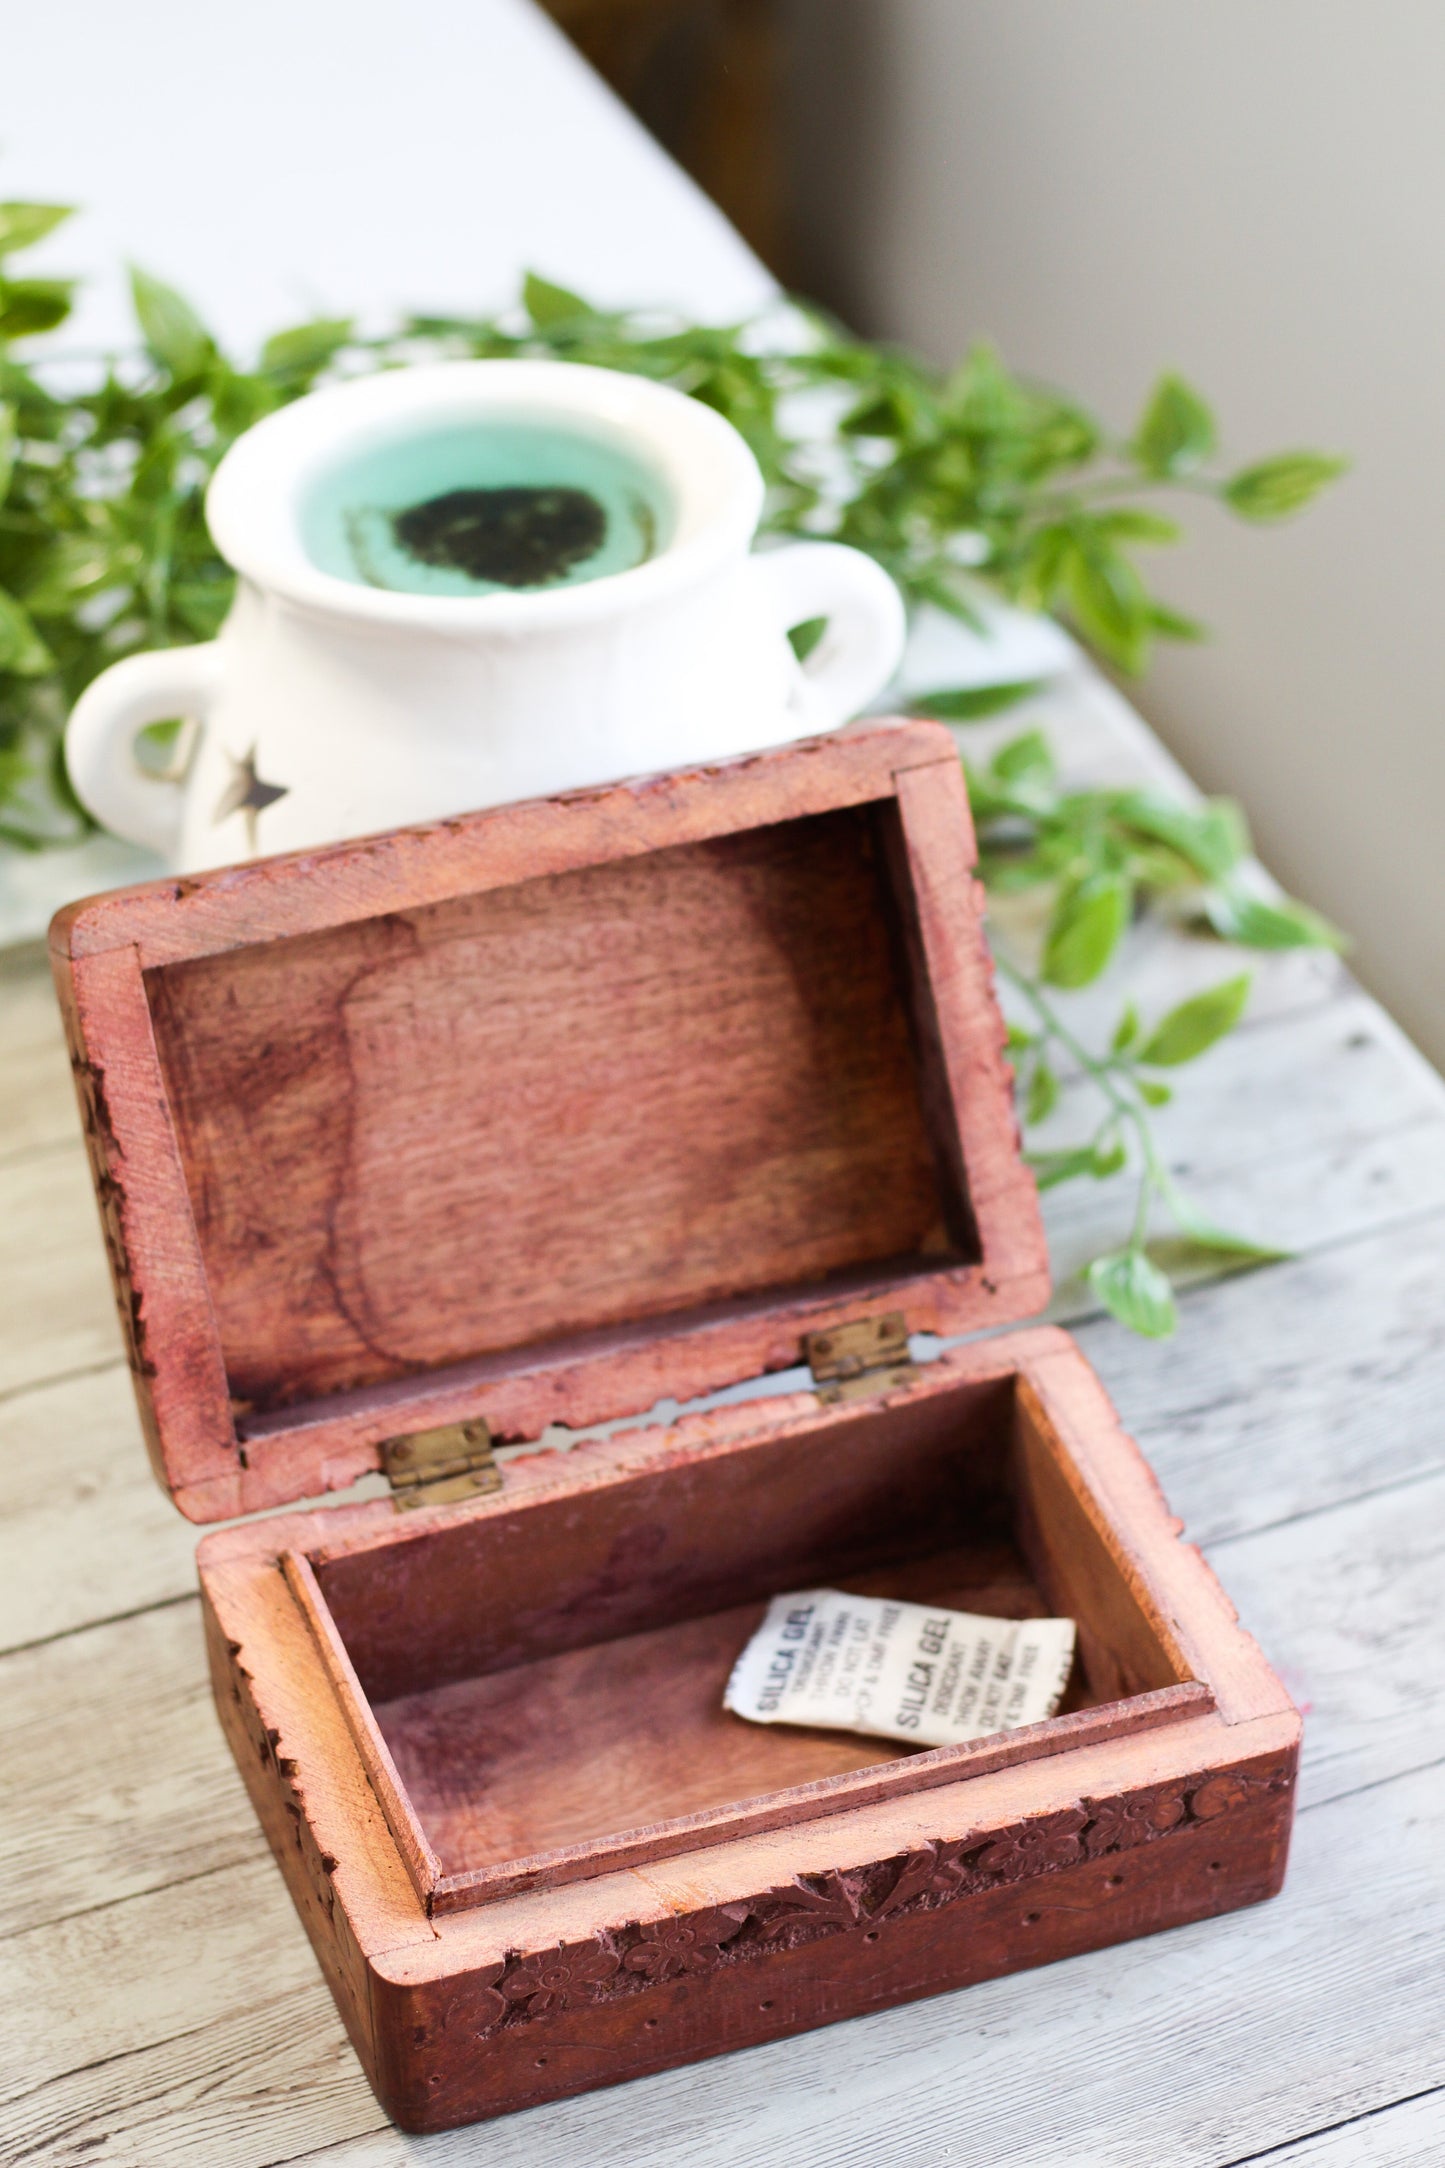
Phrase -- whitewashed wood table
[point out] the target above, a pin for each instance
(160, 2001)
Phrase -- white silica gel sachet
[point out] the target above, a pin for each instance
(908, 1671)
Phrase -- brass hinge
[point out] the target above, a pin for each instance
(867, 1355)
(434, 1467)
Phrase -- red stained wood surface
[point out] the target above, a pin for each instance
(588, 1100)
(849, 1885)
(544, 1113)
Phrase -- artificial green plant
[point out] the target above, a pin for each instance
(964, 484)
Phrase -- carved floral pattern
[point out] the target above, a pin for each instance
(1049, 1840)
(1116, 1824)
(558, 1978)
(937, 1871)
(489, 2005)
(634, 1958)
(686, 1942)
(1218, 1796)
(820, 1900)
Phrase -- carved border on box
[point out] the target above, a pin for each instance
(630, 1959)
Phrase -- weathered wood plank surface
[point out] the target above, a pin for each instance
(162, 2005)
(1404, 2136)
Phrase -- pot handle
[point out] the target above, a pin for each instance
(100, 739)
(862, 643)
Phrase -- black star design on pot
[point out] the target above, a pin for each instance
(246, 793)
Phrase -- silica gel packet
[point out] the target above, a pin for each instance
(909, 1671)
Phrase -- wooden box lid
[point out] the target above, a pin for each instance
(548, 1112)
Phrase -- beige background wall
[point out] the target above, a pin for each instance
(1252, 191)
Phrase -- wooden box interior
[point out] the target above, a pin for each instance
(640, 1088)
(546, 1113)
(537, 1688)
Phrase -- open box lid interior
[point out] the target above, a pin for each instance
(548, 1112)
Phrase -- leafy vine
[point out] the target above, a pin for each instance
(963, 483)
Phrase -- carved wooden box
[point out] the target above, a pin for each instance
(423, 1144)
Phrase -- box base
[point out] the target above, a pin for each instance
(589, 1968)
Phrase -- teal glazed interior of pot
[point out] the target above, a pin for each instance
(501, 505)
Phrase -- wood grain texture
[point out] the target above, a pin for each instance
(225, 2070)
(424, 1990)
(81, 1828)
(618, 1093)
(481, 1757)
(248, 2082)
(37, 1106)
(87, 1535)
(543, 1112)
(163, 1301)
(55, 1292)
(1409, 2135)
(1314, 1384)
(407, 869)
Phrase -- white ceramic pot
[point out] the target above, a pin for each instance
(329, 708)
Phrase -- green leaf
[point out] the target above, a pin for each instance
(1279, 923)
(1046, 556)
(1088, 921)
(1097, 1161)
(1133, 1289)
(548, 304)
(805, 637)
(889, 414)
(971, 703)
(1188, 1030)
(28, 306)
(306, 348)
(1212, 837)
(983, 395)
(1108, 602)
(22, 651)
(172, 331)
(1131, 524)
(8, 446)
(1153, 1093)
(1126, 1031)
(1176, 432)
(1026, 759)
(1210, 1244)
(23, 224)
(1049, 1169)
(1043, 1094)
(1274, 488)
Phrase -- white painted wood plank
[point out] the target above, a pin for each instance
(1410, 2135)
(56, 1303)
(1314, 1381)
(1291, 1389)
(110, 1981)
(88, 1532)
(37, 1102)
(1347, 1603)
(246, 2092)
(116, 1779)
(118, 1747)
(1196, 2049)
(1304, 1132)
(192, 2025)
